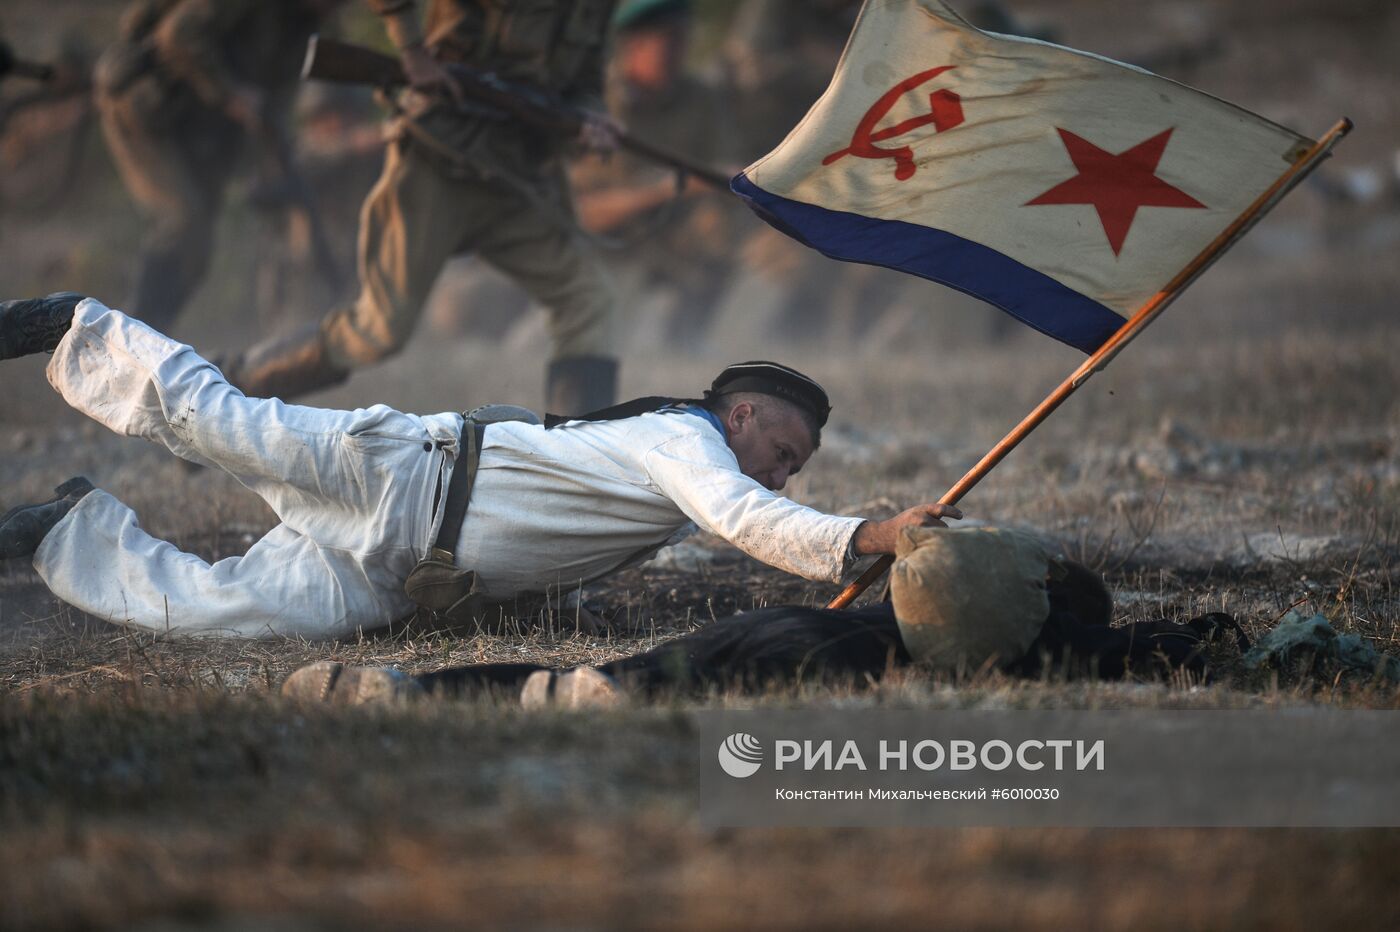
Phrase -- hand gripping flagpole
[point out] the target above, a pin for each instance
(1304, 163)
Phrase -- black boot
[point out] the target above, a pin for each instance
(22, 529)
(35, 325)
(580, 385)
(285, 368)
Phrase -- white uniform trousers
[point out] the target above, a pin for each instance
(354, 491)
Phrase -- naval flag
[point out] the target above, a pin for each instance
(1062, 187)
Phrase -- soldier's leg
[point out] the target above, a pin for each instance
(479, 679)
(181, 199)
(782, 645)
(559, 269)
(322, 471)
(410, 224)
(99, 560)
(338, 683)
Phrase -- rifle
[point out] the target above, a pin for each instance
(347, 63)
(61, 82)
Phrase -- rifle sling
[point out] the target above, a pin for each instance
(619, 411)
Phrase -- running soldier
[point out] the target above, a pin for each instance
(181, 94)
(460, 177)
(679, 234)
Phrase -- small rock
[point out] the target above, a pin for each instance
(684, 557)
(1273, 547)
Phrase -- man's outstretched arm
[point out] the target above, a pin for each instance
(881, 536)
(706, 485)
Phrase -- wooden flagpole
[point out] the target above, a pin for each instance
(1154, 306)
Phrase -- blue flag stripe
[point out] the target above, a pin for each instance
(1032, 297)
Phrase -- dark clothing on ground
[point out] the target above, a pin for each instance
(769, 646)
(788, 645)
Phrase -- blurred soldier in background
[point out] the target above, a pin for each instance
(461, 177)
(781, 54)
(188, 83)
(339, 149)
(678, 233)
(11, 64)
(45, 119)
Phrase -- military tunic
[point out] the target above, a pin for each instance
(458, 181)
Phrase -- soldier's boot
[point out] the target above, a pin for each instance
(338, 684)
(285, 368)
(23, 529)
(579, 688)
(35, 325)
(580, 384)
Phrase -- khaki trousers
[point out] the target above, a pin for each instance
(417, 217)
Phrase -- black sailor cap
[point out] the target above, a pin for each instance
(771, 378)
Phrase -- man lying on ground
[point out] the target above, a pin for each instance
(786, 645)
(367, 497)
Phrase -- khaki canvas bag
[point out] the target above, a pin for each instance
(968, 597)
(437, 583)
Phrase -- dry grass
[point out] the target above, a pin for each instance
(1242, 457)
(201, 806)
(146, 778)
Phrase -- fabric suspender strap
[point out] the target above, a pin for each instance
(459, 489)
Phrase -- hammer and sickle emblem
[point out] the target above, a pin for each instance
(945, 112)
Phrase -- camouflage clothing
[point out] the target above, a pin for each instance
(163, 90)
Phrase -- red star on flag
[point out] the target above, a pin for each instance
(1117, 185)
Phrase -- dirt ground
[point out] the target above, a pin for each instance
(1243, 456)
